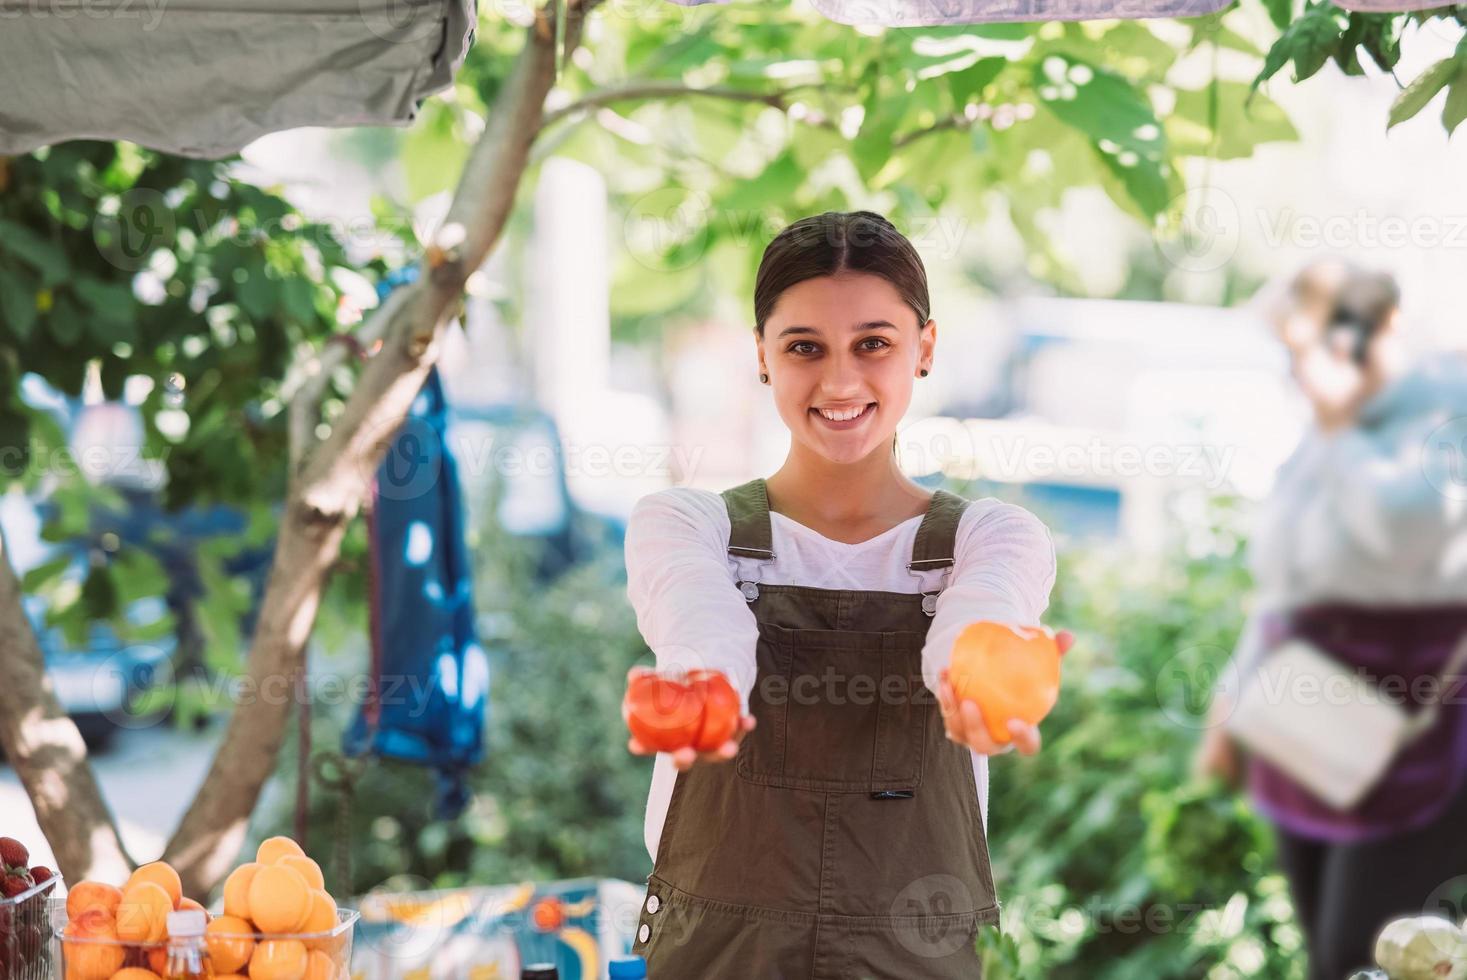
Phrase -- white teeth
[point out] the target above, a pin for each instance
(845, 416)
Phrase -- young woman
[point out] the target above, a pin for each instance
(1358, 551)
(848, 837)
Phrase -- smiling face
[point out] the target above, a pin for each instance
(841, 353)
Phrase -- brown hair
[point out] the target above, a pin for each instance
(834, 242)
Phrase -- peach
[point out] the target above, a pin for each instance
(161, 874)
(280, 899)
(231, 942)
(142, 915)
(278, 959)
(237, 890)
(272, 850)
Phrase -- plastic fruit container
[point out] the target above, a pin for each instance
(232, 952)
(24, 922)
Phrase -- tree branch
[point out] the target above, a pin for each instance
(47, 752)
(328, 489)
(671, 90)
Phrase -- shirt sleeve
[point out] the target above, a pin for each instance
(688, 609)
(1003, 571)
(1380, 492)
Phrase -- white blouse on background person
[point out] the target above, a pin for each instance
(680, 580)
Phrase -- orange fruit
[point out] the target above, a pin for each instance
(231, 940)
(321, 919)
(279, 899)
(135, 973)
(278, 959)
(319, 966)
(142, 915)
(1009, 672)
(158, 959)
(237, 890)
(189, 903)
(93, 897)
(272, 850)
(94, 960)
(310, 870)
(161, 874)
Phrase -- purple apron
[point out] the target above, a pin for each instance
(1410, 645)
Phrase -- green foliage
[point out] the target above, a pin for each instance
(936, 127)
(1111, 862)
(1323, 32)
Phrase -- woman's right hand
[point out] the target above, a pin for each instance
(685, 758)
(1218, 754)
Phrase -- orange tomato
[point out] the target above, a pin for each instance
(1009, 672)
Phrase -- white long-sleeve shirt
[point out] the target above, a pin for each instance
(680, 580)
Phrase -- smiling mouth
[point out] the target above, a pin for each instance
(845, 423)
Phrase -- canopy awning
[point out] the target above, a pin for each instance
(934, 13)
(202, 78)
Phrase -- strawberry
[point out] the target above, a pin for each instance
(13, 884)
(13, 853)
(40, 874)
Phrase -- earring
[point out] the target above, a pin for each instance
(764, 379)
(924, 372)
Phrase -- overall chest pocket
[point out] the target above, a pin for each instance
(838, 711)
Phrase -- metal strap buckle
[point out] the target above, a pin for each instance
(929, 597)
(750, 587)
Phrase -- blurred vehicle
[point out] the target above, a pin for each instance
(513, 475)
(100, 682)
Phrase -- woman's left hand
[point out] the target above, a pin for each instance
(965, 725)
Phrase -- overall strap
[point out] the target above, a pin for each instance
(937, 534)
(935, 546)
(749, 535)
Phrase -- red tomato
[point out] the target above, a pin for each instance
(663, 713)
(720, 709)
(667, 713)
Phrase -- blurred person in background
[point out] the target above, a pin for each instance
(1361, 550)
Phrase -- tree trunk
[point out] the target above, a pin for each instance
(331, 485)
(47, 751)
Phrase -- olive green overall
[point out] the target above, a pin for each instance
(844, 841)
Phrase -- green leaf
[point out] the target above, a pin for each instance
(1456, 108)
(65, 321)
(1241, 124)
(17, 304)
(42, 255)
(1101, 104)
(112, 310)
(1309, 42)
(968, 84)
(1423, 89)
(1281, 12)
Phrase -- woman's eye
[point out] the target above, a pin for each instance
(800, 343)
(878, 340)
